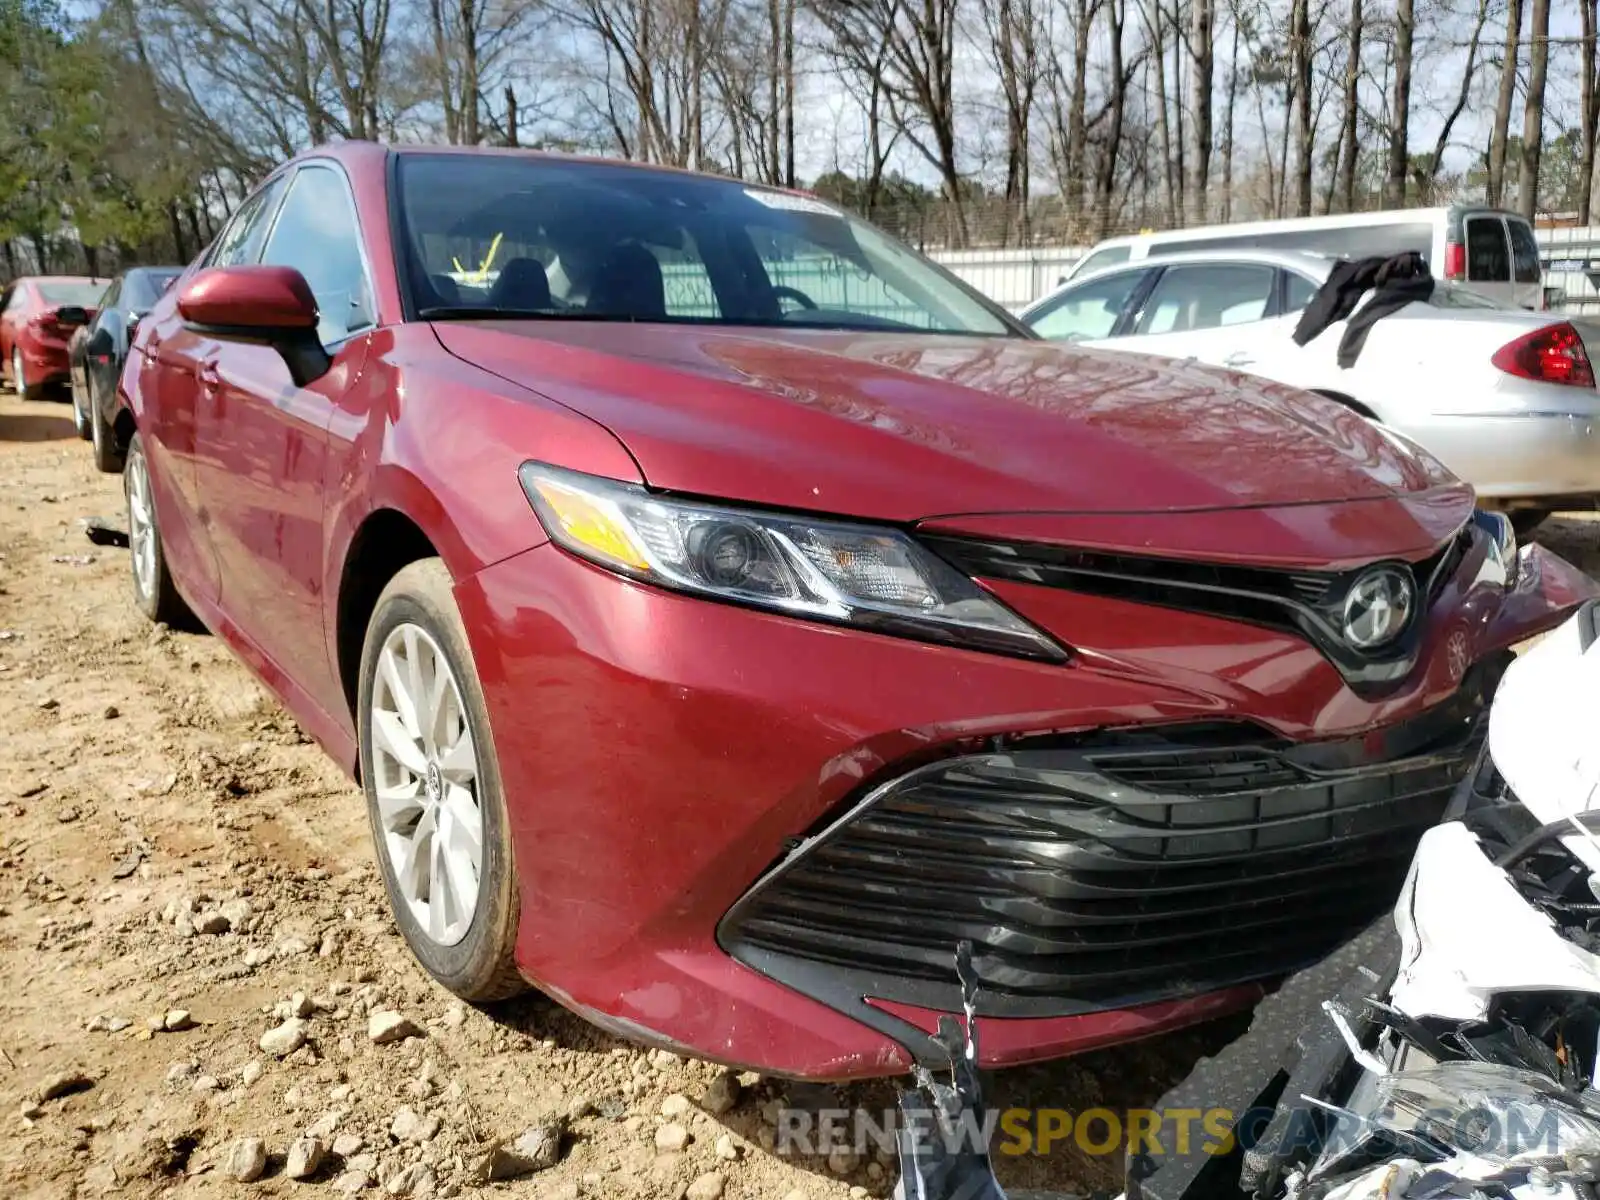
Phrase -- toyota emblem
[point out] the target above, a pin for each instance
(1378, 607)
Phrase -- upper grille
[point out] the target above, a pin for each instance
(1107, 870)
(1307, 603)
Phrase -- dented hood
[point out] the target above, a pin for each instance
(902, 427)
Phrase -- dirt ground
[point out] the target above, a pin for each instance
(181, 872)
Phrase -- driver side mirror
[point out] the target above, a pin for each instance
(272, 306)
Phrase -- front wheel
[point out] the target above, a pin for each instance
(19, 376)
(107, 456)
(80, 419)
(154, 593)
(433, 788)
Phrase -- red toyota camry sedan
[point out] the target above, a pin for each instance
(728, 612)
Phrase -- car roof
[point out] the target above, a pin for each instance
(367, 154)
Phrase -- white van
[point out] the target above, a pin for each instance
(1492, 251)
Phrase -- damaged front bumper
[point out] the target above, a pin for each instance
(1455, 1050)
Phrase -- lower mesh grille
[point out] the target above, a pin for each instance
(1112, 869)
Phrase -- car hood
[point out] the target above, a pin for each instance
(903, 427)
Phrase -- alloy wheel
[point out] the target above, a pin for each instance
(425, 776)
(141, 525)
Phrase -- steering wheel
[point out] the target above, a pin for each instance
(795, 294)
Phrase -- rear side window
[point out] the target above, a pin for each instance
(1207, 297)
(1488, 259)
(1088, 311)
(1110, 257)
(1297, 291)
(1524, 252)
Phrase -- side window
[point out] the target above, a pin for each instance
(316, 234)
(109, 300)
(1205, 297)
(240, 242)
(1524, 252)
(1089, 310)
(1488, 260)
(1297, 291)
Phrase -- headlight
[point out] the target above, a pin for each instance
(1502, 543)
(872, 578)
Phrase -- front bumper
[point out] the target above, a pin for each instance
(1539, 455)
(660, 754)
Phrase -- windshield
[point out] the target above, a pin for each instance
(58, 292)
(548, 238)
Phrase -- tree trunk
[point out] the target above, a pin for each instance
(1533, 110)
(1394, 190)
(1077, 125)
(511, 116)
(1500, 134)
(697, 66)
(1300, 41)
(1158, 58)
(1106, 182)
(788, 93)
(1202, 50)
(1591, 108)
(774, 127)
(1227, 129)
(471, 130)
(178, 243)
(1349, 149)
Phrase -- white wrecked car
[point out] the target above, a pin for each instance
(1455, 1053)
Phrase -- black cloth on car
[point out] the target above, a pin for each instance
(1394, 281)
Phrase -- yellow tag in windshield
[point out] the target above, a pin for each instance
(482, 273)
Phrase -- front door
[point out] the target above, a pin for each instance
(263, 444)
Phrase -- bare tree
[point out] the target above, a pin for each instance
(1394, 188)
(1300, 50)
(1015, 35)
(917, 73)
(1590, 99)
(1120, 78)
(1500, 132)
(1349, 150)
(1474, 43)
(1202, 52)
(1533, 110)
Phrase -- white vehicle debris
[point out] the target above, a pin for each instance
(1453, 1054)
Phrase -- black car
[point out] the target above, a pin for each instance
(98, 350)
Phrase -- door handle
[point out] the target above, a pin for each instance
(210, 378)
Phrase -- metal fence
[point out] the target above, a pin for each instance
(1016, 278)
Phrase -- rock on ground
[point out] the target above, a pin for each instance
(386, 1026)
(305, 1156)
(283, 1040)
(246, 1160)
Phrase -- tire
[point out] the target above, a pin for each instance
(107, 457)
(154, 593)
(80, 421)
(433, 806)
(1525, 520)
(19, 377)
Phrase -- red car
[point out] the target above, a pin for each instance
(37, 317)
(728, 612)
